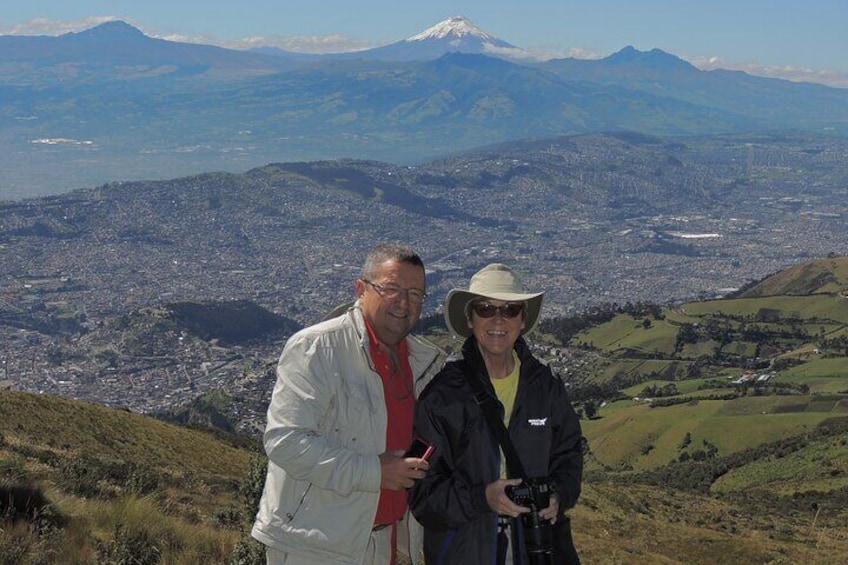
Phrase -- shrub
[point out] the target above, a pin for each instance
(130, 548)
(79, 476)
(229, 517)
(141, 480)
(251, 488)
(248, 551)
(29, 504)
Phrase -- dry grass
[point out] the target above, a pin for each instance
(639, 525)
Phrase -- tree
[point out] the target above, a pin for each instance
(590, 409)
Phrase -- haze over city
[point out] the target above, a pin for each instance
(778, 39)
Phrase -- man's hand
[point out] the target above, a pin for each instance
(499, 502)
(400, 473)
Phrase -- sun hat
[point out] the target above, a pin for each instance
(497, 282)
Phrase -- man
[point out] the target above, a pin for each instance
(340, 420)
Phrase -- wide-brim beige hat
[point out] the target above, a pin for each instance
(495, 281)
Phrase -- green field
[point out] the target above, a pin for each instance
(831, 367)
(625, 332)
(820, 467)
(631, 434)
(823, 307)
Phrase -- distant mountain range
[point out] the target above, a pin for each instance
(454, 35)
(110, 103)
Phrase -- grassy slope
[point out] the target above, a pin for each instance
(631, 435)
(612, 524)
(641, 437)
(820, 306)
(93, 430)
(197, 479)
(812, 277)
(640, 525)
(625, 431)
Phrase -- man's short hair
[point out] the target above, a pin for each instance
(383, 252)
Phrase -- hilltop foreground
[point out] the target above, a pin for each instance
(123, 488)
(718, 433)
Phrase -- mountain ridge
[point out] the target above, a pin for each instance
(82, 114)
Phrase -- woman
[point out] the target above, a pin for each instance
(463, 502)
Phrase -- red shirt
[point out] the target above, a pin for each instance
(400, 408)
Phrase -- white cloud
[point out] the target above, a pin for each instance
(795, 74)
(298, 44)
(302, 44)
(45, 26)
(306, 44)
(540, 54)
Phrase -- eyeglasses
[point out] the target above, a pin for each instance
(392, 292)
(508, 310)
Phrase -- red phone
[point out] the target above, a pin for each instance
(420, 449)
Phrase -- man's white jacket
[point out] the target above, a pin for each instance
(326, 429)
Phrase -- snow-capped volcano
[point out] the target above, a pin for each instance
(458, 28)
(455, 34)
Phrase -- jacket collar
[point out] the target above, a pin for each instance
(422, 353)
(471, 355)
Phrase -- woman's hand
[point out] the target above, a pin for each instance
(499, 502)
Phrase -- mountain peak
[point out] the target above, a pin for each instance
(455, 27)
(655, 58)
(455, 34)
(110, 29)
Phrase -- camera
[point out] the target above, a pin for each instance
(535, 494)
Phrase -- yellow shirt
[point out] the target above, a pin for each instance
(506, 390)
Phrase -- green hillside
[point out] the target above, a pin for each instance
(83, 483)
(743, 399)
(735, 372)
(826, 276)
(641, 437)
(81, 429)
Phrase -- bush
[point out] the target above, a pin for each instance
(130, 548)
(251, 488)
(79, 476)
(13, 549)
(141, 480)
(248, 551)
(29, 504)
(229, 517)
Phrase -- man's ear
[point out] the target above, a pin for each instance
(359, 287)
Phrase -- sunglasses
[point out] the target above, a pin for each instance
(508, 310)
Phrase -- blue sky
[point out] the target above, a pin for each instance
(785, 38)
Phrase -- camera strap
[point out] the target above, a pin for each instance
(488, 404)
